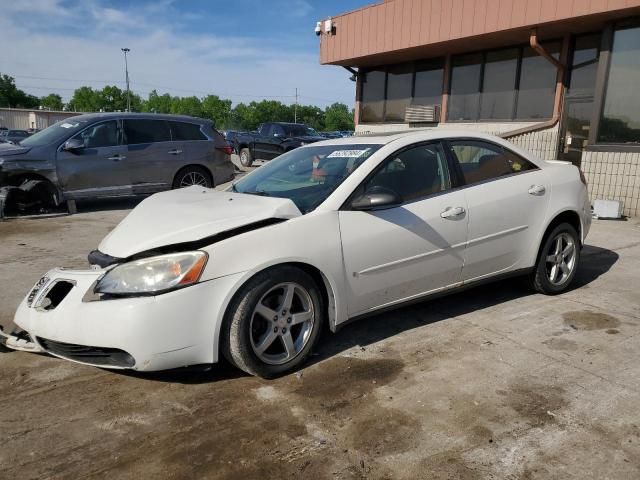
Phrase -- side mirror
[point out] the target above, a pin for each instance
(376, 199)
(73, 145)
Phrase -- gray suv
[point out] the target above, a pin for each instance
(115, 154)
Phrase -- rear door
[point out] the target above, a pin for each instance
(98, 169)
(151, 154)
(507, 197)
(196, 147)
(400, 253)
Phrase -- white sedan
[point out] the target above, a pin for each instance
(324, 234)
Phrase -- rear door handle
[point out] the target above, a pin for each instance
(452, 212)
(537, 190)
(175, 151)
(117, 158)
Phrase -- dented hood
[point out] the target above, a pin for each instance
(188, 215)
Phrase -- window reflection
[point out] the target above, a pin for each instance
(465, 87)
(373, 96)
(620, 122)
(399, 80)
(498, 93)
(537, 84)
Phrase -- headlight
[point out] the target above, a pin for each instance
(153, 275)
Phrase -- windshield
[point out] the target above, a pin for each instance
(300, 131)
(306, 175)
(55, 132)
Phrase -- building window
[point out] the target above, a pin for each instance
(537, 89)
(427, 88)
(499, 82)
(620, 122)
(584, 66)
(399, 79)
(465, 87)
(373, 96)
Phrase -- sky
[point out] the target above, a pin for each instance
(243, 50)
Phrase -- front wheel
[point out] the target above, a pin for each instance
(558, 261)
(273, 322)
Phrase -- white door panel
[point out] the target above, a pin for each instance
(403, 252)
(505, 218)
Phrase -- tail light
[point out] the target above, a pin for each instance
(583, 179)
(225, 149)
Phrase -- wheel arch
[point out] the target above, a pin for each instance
(569, 216)
(198, 165)
(18, 179)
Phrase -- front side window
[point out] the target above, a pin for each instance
(306, 175)
(412, 174)
(146, 131)
(104, 134)
(482, 161)
(620, 121)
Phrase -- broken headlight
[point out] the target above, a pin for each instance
(153, 275)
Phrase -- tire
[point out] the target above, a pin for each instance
(246, 159)
(192, 175)
(255, 343)
(560, 247)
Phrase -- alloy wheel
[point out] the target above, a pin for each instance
(561, 259)
(193, 178)
(281, 323)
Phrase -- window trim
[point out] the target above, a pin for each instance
(346, 205)
(459, 171)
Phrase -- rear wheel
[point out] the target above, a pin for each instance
(193, 175)
(273, 322)
(558, 260)
(246, 159)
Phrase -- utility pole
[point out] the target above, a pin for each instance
(126, 74)
(295, 109)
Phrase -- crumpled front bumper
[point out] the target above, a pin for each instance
(171, 330)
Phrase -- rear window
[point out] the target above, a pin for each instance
(146, 131)
(186, 131)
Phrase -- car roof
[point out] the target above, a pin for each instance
(422, 135)
(144, 116)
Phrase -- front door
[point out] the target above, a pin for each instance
(100, 167)
(575, 129)
(401, 253)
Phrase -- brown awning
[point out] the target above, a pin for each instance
(402, 30)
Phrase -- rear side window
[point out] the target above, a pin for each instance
(186, 131)
(414, 173)
(146, 131)
(481, 161)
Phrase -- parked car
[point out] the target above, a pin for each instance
(273, 139)
(331, 135)
(13, 136)
(112, 154)
(346, 228)
(231, 136)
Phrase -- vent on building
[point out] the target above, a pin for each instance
(422, 114)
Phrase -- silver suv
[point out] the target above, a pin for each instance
(116, 154)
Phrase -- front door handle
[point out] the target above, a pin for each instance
(175, 151)
(117, 158)
(537, 190)
(452, 212)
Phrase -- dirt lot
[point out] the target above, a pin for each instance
(494, 382)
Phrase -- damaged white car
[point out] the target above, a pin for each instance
(321, 235)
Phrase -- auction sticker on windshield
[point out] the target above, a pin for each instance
(69, 125)
(347, 153)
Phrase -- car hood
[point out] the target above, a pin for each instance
(9, 149)
(188, 215)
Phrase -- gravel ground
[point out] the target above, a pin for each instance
(493, 382)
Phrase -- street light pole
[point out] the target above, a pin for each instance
(126, 73)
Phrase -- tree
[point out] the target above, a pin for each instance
(158, 103)
(53, 101)
(12, 96)
(338, 117)
(109, 99)
(216, 109)
(191, 106)
(86, 99)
